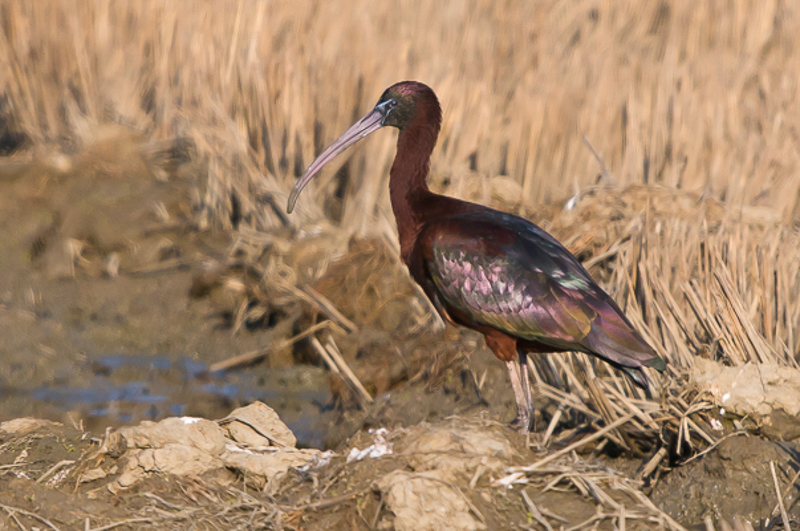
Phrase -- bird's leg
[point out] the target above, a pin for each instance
(505, 348)
(526, 382)
(522, 422)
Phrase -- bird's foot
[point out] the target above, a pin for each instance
(521, 423)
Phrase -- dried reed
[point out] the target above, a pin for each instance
(695, 101)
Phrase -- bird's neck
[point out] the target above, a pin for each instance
(408, 188)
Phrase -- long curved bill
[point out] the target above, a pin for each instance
(370, 123)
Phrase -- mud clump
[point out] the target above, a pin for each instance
(407, 496)
(767, 393)
(187, 445)
(440, 456)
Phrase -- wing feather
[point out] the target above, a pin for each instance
(508, 288)
(505, 272)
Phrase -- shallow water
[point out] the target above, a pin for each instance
(93, 349)
(125, 389)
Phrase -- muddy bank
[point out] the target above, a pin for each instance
(244, 471)
(116, 302)
(100, 253)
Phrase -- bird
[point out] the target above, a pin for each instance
(485, 269)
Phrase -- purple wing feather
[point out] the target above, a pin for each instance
(504, 272)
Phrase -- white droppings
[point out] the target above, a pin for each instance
(726, 397)
(190, 420)
(379, 448)
(318, 460)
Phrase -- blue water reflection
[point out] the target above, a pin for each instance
(126, 389)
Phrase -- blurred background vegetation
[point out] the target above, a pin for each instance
(699, 97)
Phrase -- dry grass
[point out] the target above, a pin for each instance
(598, 482)
(696, 100)
(700, 98)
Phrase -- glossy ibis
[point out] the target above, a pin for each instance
(488, 270)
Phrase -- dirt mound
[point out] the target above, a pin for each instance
(765, 393)
(430, 476)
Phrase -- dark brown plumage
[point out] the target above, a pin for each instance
(488, 270)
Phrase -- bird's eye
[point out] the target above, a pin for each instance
(387, 107)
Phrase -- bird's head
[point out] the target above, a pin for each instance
(399, 103)
(398, 106)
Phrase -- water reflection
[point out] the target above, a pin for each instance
(126, 389)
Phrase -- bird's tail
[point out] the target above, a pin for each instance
(625, 349)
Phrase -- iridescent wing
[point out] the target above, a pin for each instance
(505, 272)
